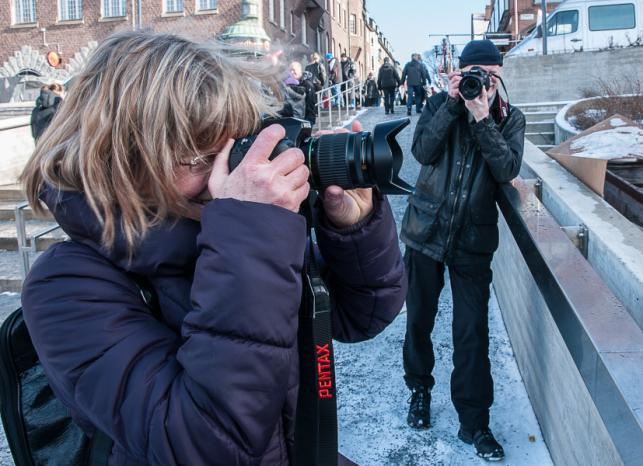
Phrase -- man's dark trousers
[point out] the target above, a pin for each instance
(389, 98)
(471, 382)
(418, 93)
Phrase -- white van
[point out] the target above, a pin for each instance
(587, 25)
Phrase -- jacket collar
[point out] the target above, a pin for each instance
(167, 249)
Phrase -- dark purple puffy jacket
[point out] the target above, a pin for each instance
(215, 381)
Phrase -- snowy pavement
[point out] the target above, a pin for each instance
(372, 396)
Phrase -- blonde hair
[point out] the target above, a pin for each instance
(144, 103)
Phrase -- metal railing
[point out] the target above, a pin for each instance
(27, 244)
(340, 99)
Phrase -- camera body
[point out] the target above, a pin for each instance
(347, 160)
(473, 81)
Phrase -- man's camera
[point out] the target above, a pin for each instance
(348, 160)
(473, 81)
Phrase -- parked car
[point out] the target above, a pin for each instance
(576, 26)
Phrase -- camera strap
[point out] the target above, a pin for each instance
(316, 419)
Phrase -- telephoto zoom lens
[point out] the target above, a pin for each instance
(347, 160)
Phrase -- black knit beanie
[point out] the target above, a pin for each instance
(480, 52)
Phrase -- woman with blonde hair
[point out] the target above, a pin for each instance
(135, 170)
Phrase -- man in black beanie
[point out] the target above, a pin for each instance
(466, 148)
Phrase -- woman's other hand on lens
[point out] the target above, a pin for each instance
(282, 182)
(345, 208)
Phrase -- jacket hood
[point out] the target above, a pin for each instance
(46, 99)
(166, 249)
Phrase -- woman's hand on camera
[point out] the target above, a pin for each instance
(454, 84)
(345, 208)
(282, 182)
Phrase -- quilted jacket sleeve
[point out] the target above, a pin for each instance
(365, 273)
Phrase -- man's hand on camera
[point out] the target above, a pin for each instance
(479, 107)
(345, 208)
(282, 182)
(454, 84)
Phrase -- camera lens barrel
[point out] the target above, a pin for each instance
(328, 158)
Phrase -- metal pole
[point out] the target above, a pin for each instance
(544, 26)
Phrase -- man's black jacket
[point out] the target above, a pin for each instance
(388, 77)
(453, 210)
(415, 74)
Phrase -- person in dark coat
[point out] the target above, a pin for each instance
(347, 68)
(300, 95)
(388, 80)
(214, 379)
(317, 69)
(415, 76)
(467, 149)
(47, 104)
(371, 92)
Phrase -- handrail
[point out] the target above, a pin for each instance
(566, 299)
(337, 97)
(27, 244)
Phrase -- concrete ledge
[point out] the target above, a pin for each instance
(579, 351)
(18, 145)
(615, 245)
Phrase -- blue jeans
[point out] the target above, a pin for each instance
(416, 92)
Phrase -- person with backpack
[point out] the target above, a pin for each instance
(388, 80)
(415, 76)
(300, 95)
(199, 366)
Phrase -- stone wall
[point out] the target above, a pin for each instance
(561, 77)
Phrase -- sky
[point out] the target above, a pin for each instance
(408, 23)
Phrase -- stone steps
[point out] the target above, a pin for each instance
(11, 270)
(9, 236)
(541, 139)
(11, 193)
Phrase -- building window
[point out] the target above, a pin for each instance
(345, 20)
(70, 10)
(304, 29)
(114, 8)
(338, 12)
(25, 12)
(353, 24)
(282, 14)
(174, 6)
(205, 5)
(271, 10)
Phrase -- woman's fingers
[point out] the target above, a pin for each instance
(298, 177)
(288, 161)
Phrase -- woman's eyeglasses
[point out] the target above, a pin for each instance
(200, 164)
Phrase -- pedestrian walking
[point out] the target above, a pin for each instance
(317, 71)
(168, 323)
(334, 76)
(467, 149)
(371, 91)
(47, 103)
(388, 80)
(348, 72)
(415, 76)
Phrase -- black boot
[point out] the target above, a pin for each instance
(408, 112)
(420, 410)
(484, 442)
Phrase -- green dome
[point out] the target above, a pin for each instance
(246, 30)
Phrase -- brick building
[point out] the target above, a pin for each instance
(36, 34)
(515, 17)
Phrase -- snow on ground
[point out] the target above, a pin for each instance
(617, 143)
(372, 396)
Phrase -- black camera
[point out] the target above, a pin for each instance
(348, 160)
(473, 81)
